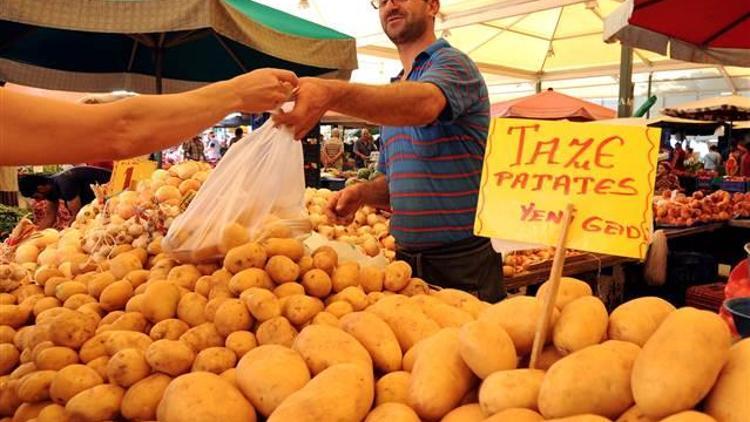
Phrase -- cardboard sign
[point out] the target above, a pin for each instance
(534, 169)
(126, 173)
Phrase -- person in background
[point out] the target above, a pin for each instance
(744, 159)
(665, 180)
(213, 149)
(677, 160)
(435, 116)
(193, 149)
(732, 165)
(70, 189)
(712, 160)
(363, 147)
(332, 155)
(238, 134)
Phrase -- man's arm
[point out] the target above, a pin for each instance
(344, 203)
(74, 205)
(50, 215)
(376, 193)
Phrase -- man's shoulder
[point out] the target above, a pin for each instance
(450, 53)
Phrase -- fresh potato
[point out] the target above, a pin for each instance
(116, 295)
(214, 359)
(282, 269)
(202, 337)
(249, 278)
(232, 236)
(29, 411)
(69, 288)
(120, 340)
(377, 338)
(160, 300)
(6, 334)
(288, 289)
(406, 320)
(263, 304)
(276, 330)
(77, 300)
(291, 248)
(466, 413)
(440, 378)
(582, 323)
(268, 374)
(53, 413)
(345, 275)
(325, 259)
(207, 282)
(518, 316)
(680, 362)
(124, 263)
(392, 412)
(393, 387)
(570, 289)
(44, 304)
(461, 300)
(110, 318)
(56, 358)
(343, 392)
(548, 357)
(322, 346)
(689, 416)
(230, 376)
(170, 357)
(300, 309)
(241, 342)
(354, 295)
(168, 329)
(371, 279)
(317, 283)
(635, 321)
(326, 318)
(98, 403)
(93, 348)
(249, 255)
(203, 396)
(516, 415)
(728, 399)
(71, 380)
(232, 315)
(9, 356)
(445, 315)
(14, 316)
(142, 399)
(397, 276)
(486, 348)
(71, 329)
(100, 366)
(517, 388)
(127, 367)
(129, 321)
(137, 277)
(184, 276)
(305, 264)
(634, 414)
(339, 308)
(594, 380)
(212, 306)
(34, 387)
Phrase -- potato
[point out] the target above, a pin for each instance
(137, 277)
(34, 387)
(71, 380)
(184, 276)
(51, 285)
(339, 308)
(168, 329)
(570, 289)
(232, 315)
(263, 305)
(282, 269)
(342, 392)
(44, 304)
(127, 367)
(276, 330)
(392, 412)
(317, 283)
(516, 415)
(56, 358)
(393, 387)
(371, 279)
(680, 362)
(93, 348)
(124, 263)
(377, 338)
(689, 416)
(9, 400)
(232, 236)
(728, 399)
(486, 348)
(288, 289)
(440, 378)
(345, 275)
(325, 259)
(240, 342)
(71, 329)
(170, 357)
(249, 278)
(212, 306)
(230, 376)
(53, 413)
(440, 312)
(29, 411)
(204, 284)
(415, 286)
(635, 321)
(13, 315)
(322, 346)
(634, 414)
(98, 403)
(354, 295)
(69, 288)
(300, 309)
(202, 337)
(465, 413)
(129, 321)
(249, 255)
(406, 320)
(582, 323)
(291, 248)
(6, 334)
(142, 399)
(160, 301)
(9, 356)
(78, 300)
(268, 374)
(110, 318)
(518, 388)
(214, 359)
(116, 295)
(397, 276)
(100, 366)
(120, 340)
(548, 357)
(518, 316)
(461, 300)
(22, 370)
(203, 396)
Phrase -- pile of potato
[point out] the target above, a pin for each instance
(518, 262)
(677, 209)
(368, 231)
(274, 332)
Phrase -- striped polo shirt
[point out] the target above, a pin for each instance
(434, 170)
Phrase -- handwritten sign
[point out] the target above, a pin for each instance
(533, 169)
(126, 173)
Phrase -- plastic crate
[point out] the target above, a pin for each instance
(685, 270)
(706, 296)
(734, 186)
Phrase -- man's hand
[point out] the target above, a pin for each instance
(312, 99)
(263, 89)
(344, 203)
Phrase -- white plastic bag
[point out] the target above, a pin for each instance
(258, 186)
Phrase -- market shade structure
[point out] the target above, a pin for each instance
(702, 31)
(551, 105)
(725, 108)
(149, 46)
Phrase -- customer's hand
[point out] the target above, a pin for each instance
(344, 204)
(264, 89)
(312, 98)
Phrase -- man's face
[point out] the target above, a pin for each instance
(406, 21)
(41, 192)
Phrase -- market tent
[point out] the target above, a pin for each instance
(702, 31)
(741, 125)
(551, 105)
(159, 45)
(724, 108)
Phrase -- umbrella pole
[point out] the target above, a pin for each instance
(625, 102)
(158, 69)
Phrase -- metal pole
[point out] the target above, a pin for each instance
(538, 86)
(158, 69)
(648, 95)
(625, 103)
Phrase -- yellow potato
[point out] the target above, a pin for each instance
(93, 348)
(249, 278)
(249, 255)
(515, 415)
(354, 295)
(230, 376)
(339, 308)
(548, 357)
(263, 304)
(517, 388)
(326, 260)
(120, 340)
(634, 414)
(71, 329)
(55, 358)
(207, 282)
(184, 276)
(300, 309)
(129, 321)
(345, 275)
(305, 264)
(371, 279)
(124, 263)
(268, 374)
(233, 235)
(518, 316)
(466, 413)
(276, 330)
(142, 399)
(213, 305)
(326, 318)
(116, 295)
(202, 337)
(160, 301)
(9, 356)
(100, 366)
(170, 357)
(570, 289)
(288, 289)
(168, 329)
(635, 321)
(53, 413)
(461, 300)
(317, 283)
(322, 346)
(69, 288)
(127, 367)
(445, 315)
(29, 411)
(203, 396)
(71, 380)
(415, 286)
(232, 315)
(377, 338)
(343, 392)
(282, 270)
(44, 304)
(393, 388)
(728, 399)
(397, 276)
(486, 348)
(137, 277)
(76, 301)
(6, 334)
(406, 320)
(689, 416)
(214, 359)
(392, 412)
(34, 387)
(241, 342)
(582, 323)
(98, 403)
(291, 248)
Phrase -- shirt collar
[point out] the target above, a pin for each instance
(424, 55)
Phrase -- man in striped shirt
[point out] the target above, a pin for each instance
(435, 118)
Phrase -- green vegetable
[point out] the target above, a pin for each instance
(9, 217)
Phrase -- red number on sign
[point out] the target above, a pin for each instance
(128, 178)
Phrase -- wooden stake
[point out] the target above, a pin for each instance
(542, 326)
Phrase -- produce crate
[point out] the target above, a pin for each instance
(706, 296)
(685, 270)
(734, 186)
